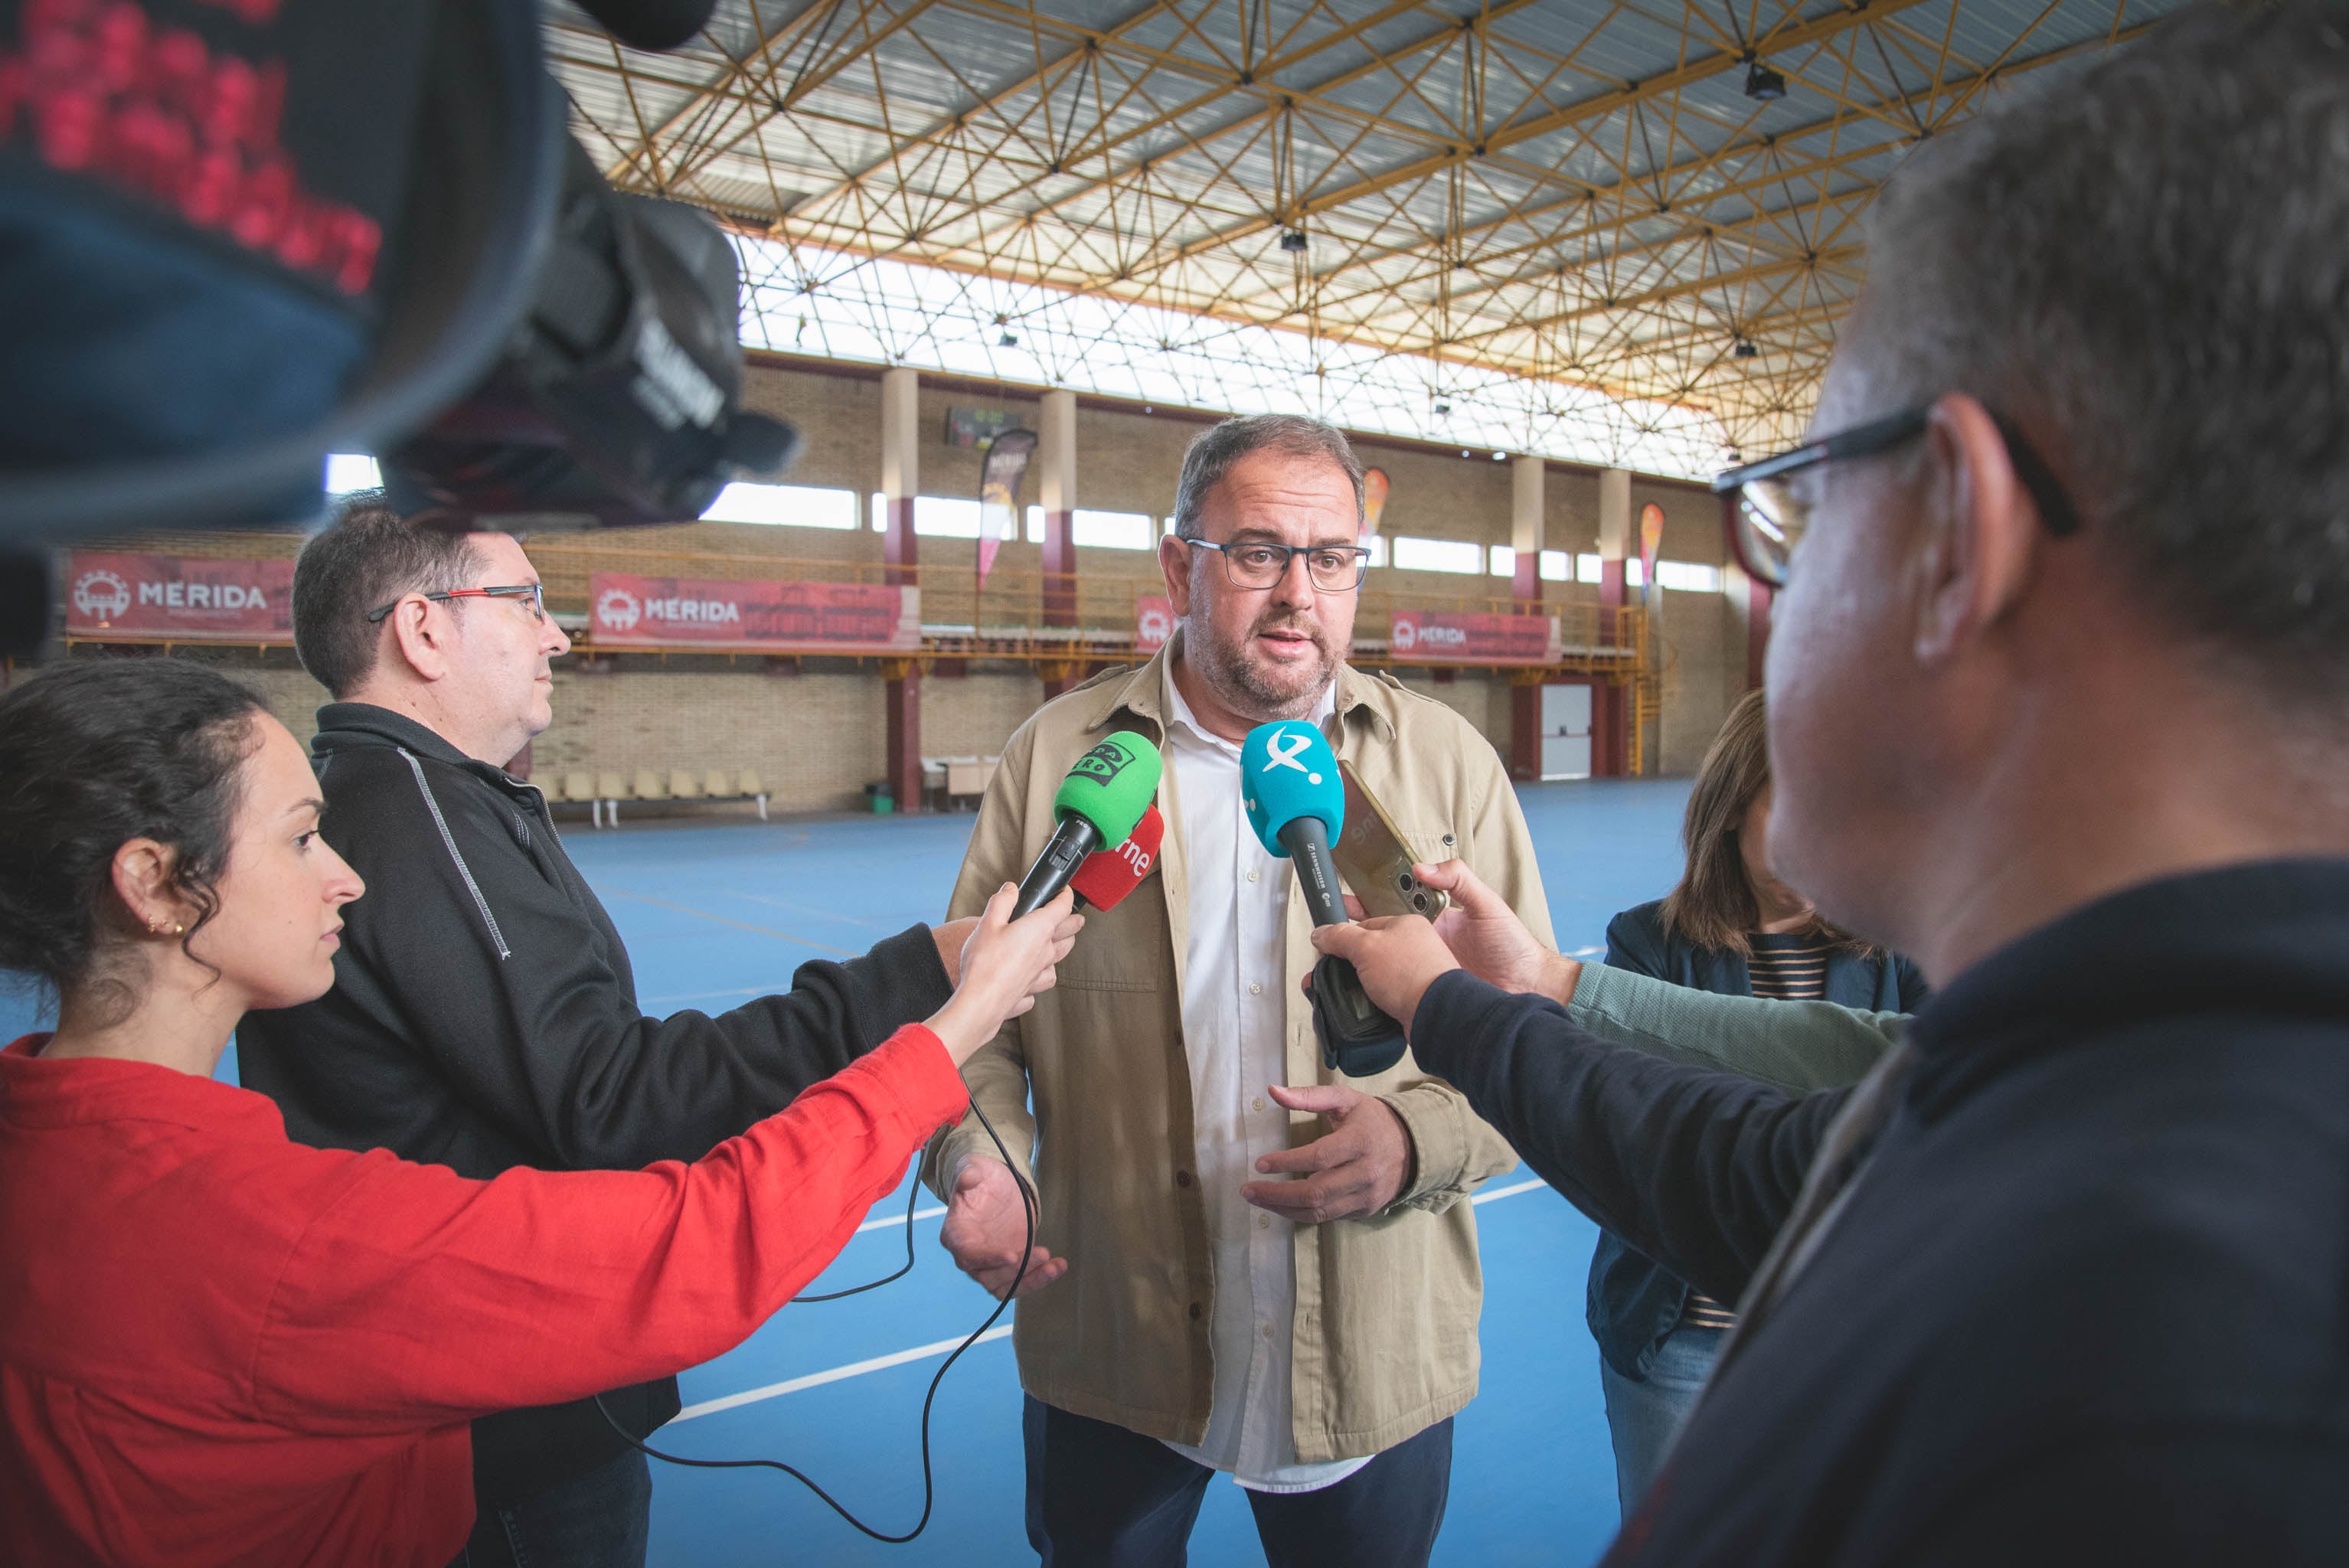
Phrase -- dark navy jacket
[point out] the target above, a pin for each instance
(2089, 1303)
(1634, 1301)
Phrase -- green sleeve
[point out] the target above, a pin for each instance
(1796, 1045)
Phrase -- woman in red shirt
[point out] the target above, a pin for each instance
(217, 1346)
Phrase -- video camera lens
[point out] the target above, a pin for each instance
(234, 239)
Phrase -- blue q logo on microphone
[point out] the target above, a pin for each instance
(1288, 771)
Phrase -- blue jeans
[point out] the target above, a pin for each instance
(1643, 1415)
(602, 1519)
(1100, 1496)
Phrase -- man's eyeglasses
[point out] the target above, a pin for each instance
(1254, 563)
(532, 595)
(1766, 514)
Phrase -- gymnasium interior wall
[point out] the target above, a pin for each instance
(813, 727)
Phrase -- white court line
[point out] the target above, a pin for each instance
(924, 1351)
(1509, 1191)
(813, 1379)
(895, 1221)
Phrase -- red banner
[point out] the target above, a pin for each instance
(178, 598)
(1154, 622)
(1421, 636)
(718, 616)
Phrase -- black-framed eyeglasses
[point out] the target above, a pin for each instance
(1764, 514)
(532, 595)
(1259, 564)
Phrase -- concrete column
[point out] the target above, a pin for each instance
(1527, 474)
(901, 481)
(901, 467)
(1610, 702)
(1526, 530)
(1056, 460)
(1616, 542)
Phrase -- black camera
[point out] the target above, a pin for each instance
(238, 234)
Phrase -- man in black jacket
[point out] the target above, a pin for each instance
(2057, 700)
(484, 1013)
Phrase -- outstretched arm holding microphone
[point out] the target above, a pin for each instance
(1653, 1128)
(1792, 1046)
(228, 1347)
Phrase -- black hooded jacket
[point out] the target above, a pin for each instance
(2088, 1305)
(485, 1017)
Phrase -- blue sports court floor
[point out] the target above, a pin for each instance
(715, 914)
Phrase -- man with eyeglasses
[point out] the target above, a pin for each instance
(2057, 702)
(484, 1012)
(1246, 1265)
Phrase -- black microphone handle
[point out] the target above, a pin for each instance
(1071, 842)
(1308, 843)
(1357, 1039)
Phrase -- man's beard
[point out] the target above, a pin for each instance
(1246, 688)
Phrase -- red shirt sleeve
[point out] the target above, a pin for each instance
(413, 1292)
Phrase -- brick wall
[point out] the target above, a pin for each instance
(1480, 700)
(817, 736)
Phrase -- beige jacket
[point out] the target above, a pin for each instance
(1385, 1329)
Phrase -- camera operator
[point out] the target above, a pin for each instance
(485, 1016)
(2056, 705)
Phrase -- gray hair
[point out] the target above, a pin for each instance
(368, 557)
(1212, 453)
(2147, 267)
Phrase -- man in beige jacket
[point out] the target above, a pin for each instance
(1243, 1264)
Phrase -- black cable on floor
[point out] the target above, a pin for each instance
(929, 1490)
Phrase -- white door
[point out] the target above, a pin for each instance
(1566, 732)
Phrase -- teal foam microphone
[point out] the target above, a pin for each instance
(1297, 804)
(1097, 805)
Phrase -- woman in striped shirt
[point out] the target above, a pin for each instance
(1731, 927)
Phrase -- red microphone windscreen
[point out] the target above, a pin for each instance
(1108, 875)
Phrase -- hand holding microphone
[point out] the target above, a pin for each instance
(1101, 880)
(1297, 804)
(1007, 962)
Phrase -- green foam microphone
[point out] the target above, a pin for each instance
(1095, 808)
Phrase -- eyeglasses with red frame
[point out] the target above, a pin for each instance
(532, 595)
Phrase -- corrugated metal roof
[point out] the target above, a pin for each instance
(1529, 184)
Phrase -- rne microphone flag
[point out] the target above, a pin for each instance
(1108, 875)
(1097, 805)
(1297, 804)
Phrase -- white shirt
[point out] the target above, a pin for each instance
(1235, 1018)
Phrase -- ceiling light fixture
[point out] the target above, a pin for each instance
(1008, 340)
(1763, 84)
(1293, 241)
(1748, 349)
